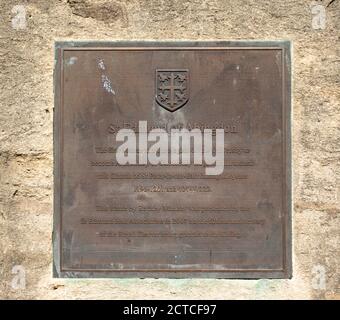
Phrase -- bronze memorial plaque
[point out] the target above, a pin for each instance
(172, 159)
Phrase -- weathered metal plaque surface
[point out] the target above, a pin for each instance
(143, 219)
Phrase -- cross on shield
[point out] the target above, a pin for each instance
(172, 90)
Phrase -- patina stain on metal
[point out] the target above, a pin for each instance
(168, 220)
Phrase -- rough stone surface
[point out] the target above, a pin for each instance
(26, 111)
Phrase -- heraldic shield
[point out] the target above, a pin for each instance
(172, 88)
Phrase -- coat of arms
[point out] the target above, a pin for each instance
(172, 90)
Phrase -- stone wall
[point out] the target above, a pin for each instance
(26, 149)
